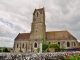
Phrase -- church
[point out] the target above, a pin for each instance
(29, 42)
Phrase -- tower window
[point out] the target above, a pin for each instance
(37, 14)
(68, 44)
(35, 45)
(59, 43)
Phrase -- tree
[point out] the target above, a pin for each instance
(54, 45)
(5, 49)
(44, 47)
(43, 41)
(0, 50)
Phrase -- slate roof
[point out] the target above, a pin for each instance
(54, 35)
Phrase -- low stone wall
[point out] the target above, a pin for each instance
(33, 56)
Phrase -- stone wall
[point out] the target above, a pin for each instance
(33, 56)
(20, 46)
(63, 43)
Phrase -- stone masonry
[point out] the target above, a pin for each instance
(29, 42)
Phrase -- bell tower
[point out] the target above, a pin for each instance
(38, 27)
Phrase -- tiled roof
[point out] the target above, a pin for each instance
(59, 35)
(40, 10)
(54, 35)
(23, 36)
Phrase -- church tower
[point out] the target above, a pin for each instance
(38, 27)
(29, 42)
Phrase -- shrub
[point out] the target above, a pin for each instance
(44, 47)
(0, 50)
(43, 40)
(54, 45)
(38, 49)
(20, 51)
(5, 50)
(61, 50)
(72, 56)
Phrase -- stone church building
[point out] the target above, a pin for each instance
(29, 42)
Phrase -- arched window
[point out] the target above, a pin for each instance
(68, 44)
(49, 42)
(37, 14)
(59, 43)
(35, 45)
(74, 44)
(23, 45)
(17, 45)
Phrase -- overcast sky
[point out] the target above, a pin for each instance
(16, 17)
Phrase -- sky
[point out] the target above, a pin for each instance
(16, 17)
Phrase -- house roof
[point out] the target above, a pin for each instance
(59, 35)
(40, 10)
(52, 35)
(23, 36)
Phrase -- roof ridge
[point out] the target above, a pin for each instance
(57, 31)
(22, 36)
(71, 34)
(24, 33)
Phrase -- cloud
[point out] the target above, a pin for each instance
(6, 23)
(6, 42)
(16, 17)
